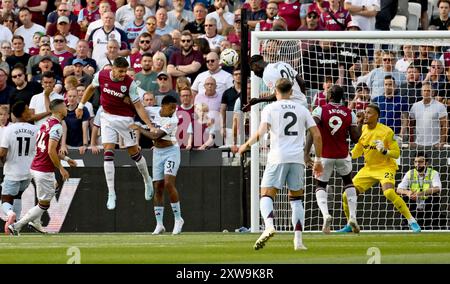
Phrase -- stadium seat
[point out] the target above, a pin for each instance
(414, 16)
(433, 9)
(398, 23)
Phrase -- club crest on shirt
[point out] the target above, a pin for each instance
(123, 89)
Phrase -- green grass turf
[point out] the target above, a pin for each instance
(225, 248)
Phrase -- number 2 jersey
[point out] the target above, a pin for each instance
(51, 129)
(278, 70)
(288, 122)
(20, 140)
(335, 123)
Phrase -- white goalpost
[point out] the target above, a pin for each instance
(347, 58)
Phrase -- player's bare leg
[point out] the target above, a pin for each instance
(169, 184)
(298, 218)
(266, 207)
(108, 167)
(158, 202)
(141, 164)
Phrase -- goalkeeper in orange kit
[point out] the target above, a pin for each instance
(380, 149)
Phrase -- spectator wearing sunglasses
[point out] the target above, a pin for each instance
(164, 88)
(312, 22)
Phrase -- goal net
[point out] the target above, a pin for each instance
(360, 62)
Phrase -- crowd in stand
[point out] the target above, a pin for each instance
(173, 47)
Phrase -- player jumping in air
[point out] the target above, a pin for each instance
(335, 122)
(287, 121)
(44, 164)
(380, 149)
(166, 161)
(119, 99)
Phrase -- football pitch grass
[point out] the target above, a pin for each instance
(225, 248)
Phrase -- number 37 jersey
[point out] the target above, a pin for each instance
(335, 123)
(288, 121)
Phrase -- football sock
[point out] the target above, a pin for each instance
(109, 174)
(31, 215)
(298, 216)
(176, 210)
(322, 200)
(352, 198)
(7, 207)
(141, 164)
(266, 207)
(159, 213)
(17, 207)
(398, 202)
(345, 205)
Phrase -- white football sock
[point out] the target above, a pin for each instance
(143, 169)
(176, 210)
(31, 215)
(352, 199)
(17, 207)
(298, 217)
(322, 201)
(266, 207)
(7, 207)
(159, 214)
(109, 175)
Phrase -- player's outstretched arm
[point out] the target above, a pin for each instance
(254, 101)
(263, 128)
(53, 154)
(143, 115)
(317, 139)
(152, 134)
(356, 130)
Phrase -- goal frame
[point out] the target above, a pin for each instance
(258, 36)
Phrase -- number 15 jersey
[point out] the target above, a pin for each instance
(288, 122)
(335, 123)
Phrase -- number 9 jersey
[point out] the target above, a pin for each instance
(335, 123)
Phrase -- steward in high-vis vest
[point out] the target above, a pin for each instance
(420, 187)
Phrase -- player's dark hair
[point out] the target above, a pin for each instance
(121, 62)
(168, 99)
(422, 154)
(336, 93)
(18, 108)
(375, 107)
(255, 58)
(55, 103)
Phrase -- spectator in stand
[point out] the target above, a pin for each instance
(36, 40)
(235, 36)
(5, 33)
(185, 114)
(100, 37)
(388, 10)
(442, 20)
(5, 49)
(82, 52)
(5, 89)
(290, 11)
(146, 78)
(312, 22)
(134, 28)
(214, 39)
(336, 18)
(164, 88)
(9, 21)
(190, 5)
(375, 79)
(104, 7)
(60, 50)
(82, 78)
(19, 55)
(428, 121)
(24, 90)
(126, 14)
(155, 39)
(202, 130)
(223, 80)
(423, 60)
(46, 64)
(64, 28)
(320, 98)
(88, 15)
(197, 26)
(223, 18)
(76, 132)
(271, 13)
(159, 62)
(112, 52)
(318, 6)
(37, 9)
(44, 50)
(363, 12)
(412, 88)
(424, 13)
(179, 17)
(255, 14)
(144, 44)
(187, 61)
(361, 99)
(229, 98)
(202, 45)
(28, 28)
(436, 76)
(80, 92)
(161, 22)
(7, 8)
(167, 45)
(407, 59)
(72, 24)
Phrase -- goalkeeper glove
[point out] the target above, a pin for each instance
(380, 147)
